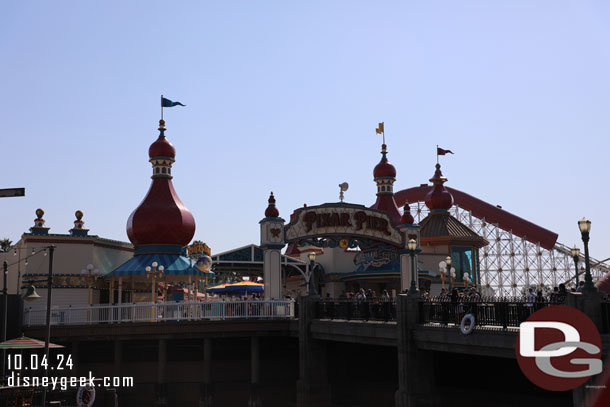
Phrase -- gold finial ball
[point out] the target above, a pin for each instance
(78, 214)
(39, 213)
(161, 124)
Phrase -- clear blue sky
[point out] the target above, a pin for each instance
(285, 96)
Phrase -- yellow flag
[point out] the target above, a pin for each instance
(379, 130)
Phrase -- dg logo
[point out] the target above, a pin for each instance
(559, 348)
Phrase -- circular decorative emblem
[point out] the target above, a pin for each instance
(464, 328)
(85, 396)
(559, 348)
(343, 243)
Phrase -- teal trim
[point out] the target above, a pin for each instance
(174, 265)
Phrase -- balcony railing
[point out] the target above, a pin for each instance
(375, 309)
(494, 311)
(159, 312)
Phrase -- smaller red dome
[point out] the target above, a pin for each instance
(271, 211)
(384, 168)
(162, 147)
(407, 218)
(439, 197)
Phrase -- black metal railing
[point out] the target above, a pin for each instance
(494, 311)
(374, 309)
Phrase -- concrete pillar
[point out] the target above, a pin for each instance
(118, 355)
(161, 388)
(313, 389)
(255, 397)
(272, 241)
(206, 390)
(415, 367)
(272, 270)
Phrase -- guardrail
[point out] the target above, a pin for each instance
(159, 312)
(493, 311)
(374, 309)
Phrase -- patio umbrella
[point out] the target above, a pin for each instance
(245, 287)
(26, 343)
(217, 288)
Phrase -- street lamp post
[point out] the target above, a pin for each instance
(576, 257)
(412, 246)
(155, 271)
(450, 271)
(31, 295)
(5, 315)
(585, 227)
(311, 289)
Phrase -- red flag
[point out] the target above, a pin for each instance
(440, 151)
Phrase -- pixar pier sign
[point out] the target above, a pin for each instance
(342, 220)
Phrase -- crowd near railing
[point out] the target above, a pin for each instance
(374, 309)
(158, 312)
(487, 311)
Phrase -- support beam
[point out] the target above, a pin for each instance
(206, 390)
(161, 388)
(255, 399)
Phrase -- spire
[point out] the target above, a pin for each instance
(162, 154)
(384, 175)
(271, 211)
(439, 199)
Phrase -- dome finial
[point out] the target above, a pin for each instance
(271, 211)
(439, 198)
(161, 126)
(407, 218)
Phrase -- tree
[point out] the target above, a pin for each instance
(5, 244)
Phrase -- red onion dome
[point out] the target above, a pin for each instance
(162, 147)
(407, 218)
(439, 198)
(271, 211)
(384, 168)
(161, 218)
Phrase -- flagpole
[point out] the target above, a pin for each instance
(161, 107)
(437, 153)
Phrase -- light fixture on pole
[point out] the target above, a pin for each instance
(155, 272)
(576, 256)
(413, 250)
(450, 271)
(32, 295)
(91, 273)
(311, 289)
(585, 227)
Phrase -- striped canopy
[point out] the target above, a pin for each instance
(26, 343)
(174, 264)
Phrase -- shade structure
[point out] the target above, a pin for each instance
(244, 287)
(26, 343)
(217, 288)
(174, 264)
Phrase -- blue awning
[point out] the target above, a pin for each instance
(175, 265)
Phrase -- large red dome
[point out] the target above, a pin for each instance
(161, 218)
